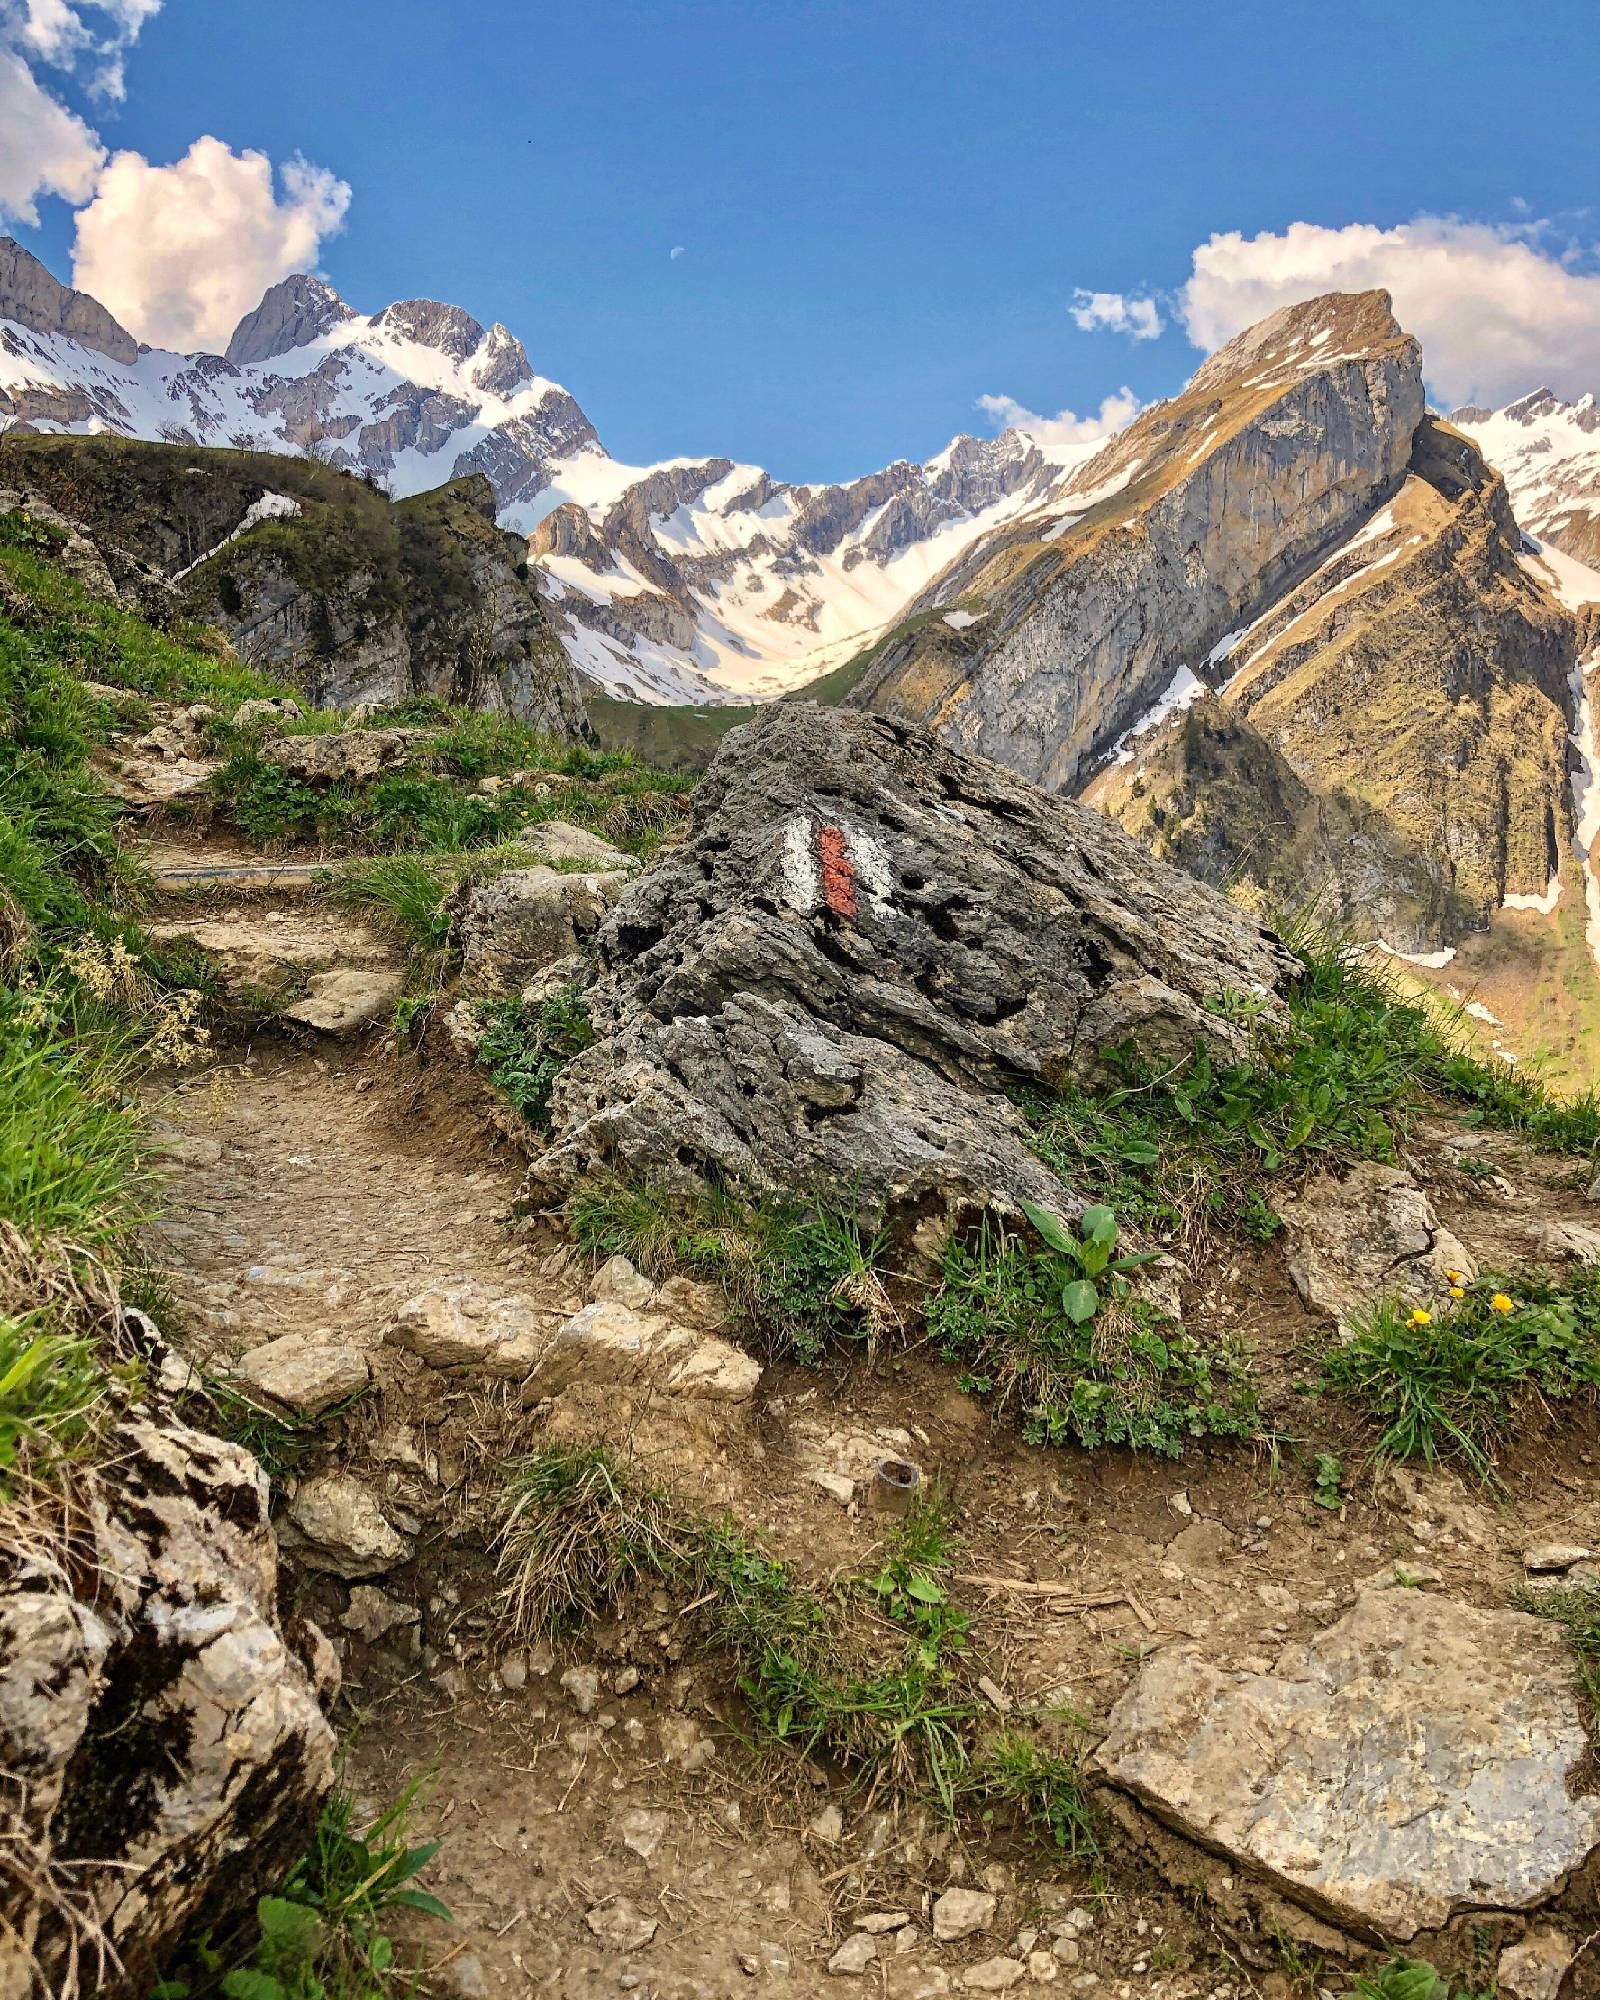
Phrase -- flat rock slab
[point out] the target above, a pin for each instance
(340, 1002)
(1409, 1763)
(1371, 1235)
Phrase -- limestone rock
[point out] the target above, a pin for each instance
(165, 1742)
(351, 757)
(338, 1526)
(350, 997)
(960, 1912)
(853, 1957)
(1534, 1968)
(1408, 1763)
(558, 842)
(864, 947)
(259, 710)
(611, 1344)
(621, 1925)
(618, 1282)
(32, 297)
(373, 1614)
(1569, 1242)
(1371, 1235)
(994, 1975)
(527, 919)
(457, 1326)
(305, 1376)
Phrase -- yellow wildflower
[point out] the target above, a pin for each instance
(1421, 1318)
(1456, 1292)
(1501, 1304)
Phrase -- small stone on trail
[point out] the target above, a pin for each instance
(1181, 1505)
(960, 1912)
(1545, 1557)
(994, 1694)
(619, 1283)
(466, 1977)
(854, 1956)
(304, 1377)
(1535, 1968)
(621, 1924)
(513, 1672)
(828, 1826)
(373, 1612)
(626, 1681)
(642, 1831)
(341, 1528)
(877, 1922)
(838, 1488)
(583, 1684)
(992, 1975)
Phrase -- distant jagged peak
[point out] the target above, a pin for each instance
(292, 313)
(450, 330)
(501, 366)
(32, 297)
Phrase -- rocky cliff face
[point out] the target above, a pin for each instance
(1071, 623)
(1391, 734)
(315, 574)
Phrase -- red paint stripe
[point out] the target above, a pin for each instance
(838, 873)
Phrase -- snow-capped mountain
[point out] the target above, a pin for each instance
(1548, 453)
(694, 580)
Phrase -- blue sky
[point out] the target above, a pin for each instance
(885, 210)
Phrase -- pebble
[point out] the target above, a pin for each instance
(642, 1831)
(583, 1684)
(993, 1975)
(960, 1912)
(876, 1922)
(1546, 1557)
(854, 1956)
(513, 1672)
(828, 1826)
(620, 1924)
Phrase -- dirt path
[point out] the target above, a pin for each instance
(604, 1828)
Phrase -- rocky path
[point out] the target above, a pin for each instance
(604, 1829)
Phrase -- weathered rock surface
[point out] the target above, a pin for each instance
(1201, 510)
(306, 1376)
(612, 1344)
(463, 1326)
(513, 927)
(347, 998)
(1534, 1968)
(865, 944)
(162, 1734)
(350, 757)
(337, 1525)
(1352, 1242)
(1411, 1762)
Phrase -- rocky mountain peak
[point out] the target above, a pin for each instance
(34, 299)
(430, 323)
(502, 363)
(290, 315)
(1304, 336)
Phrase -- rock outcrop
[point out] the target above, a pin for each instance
(1412, 1762)
(1204, 508)
(1391, 740)
(867, 943)
(31, 297)
(290, 314)
(161, 1726)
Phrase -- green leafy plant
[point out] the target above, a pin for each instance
(1085, 1258)
(1122, 1374)
(324, 1935)
(525, 1048)
(1328, 1481)
(1412, 1979)
(50, 1384)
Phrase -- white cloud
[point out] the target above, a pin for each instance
(1497, 313)
(179, 254)
(44, 148)
(676, 252)
(61, 31)
(1115, 312)
(1065, 438)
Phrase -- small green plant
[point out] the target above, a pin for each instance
(1049, 1790)
(1082, 1369)
(1448, 1382)
(525, 1048)
(1328, 1481)
(1412, 1979)
(50, 1384)
(325, 1935)
(1084, 1259)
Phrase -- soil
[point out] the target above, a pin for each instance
(318, 1184)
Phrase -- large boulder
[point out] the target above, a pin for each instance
(866, 946)
(1416, 1760)
(161, 1726)
(513, 927)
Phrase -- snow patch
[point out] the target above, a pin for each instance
(1183, 690)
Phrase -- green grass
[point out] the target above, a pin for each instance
(1011, 1316)
(1451, 1386)
(801, 1274)
(867, 1674)
(326, 1934)
(1412, 1979)
(1178, 1148)
(1046, 1789)
(50, 1386)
